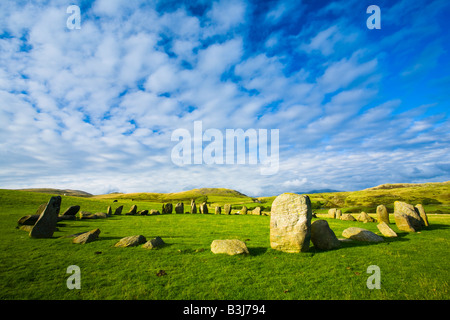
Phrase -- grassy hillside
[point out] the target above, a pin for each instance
(61, 192)
(211, 195)
(435, 196)
(413, 266)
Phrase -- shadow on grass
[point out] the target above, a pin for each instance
(257, 251)
(347, 243)
(436, 226)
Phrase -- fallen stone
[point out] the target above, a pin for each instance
(131, 241)
(28, 220)
(290, 223)
(71, 211)
(364, 217)
(154, 243)
(360, 234)
(154, 212)
(143, 212)
(347, 217)
(386, 230)
(87, 237)
(230, 247)
(322, 236)
(100, 215)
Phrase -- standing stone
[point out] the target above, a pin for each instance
(46, 224)
(323, 237)
(179, 208)
(257, 211)
(227, 208)
(360, 234)
(118, 210)
(421, 211)
(338, 214)
(382, 214)
(332, 213)
(217, 210)
(167, 208)
(406, 218)
(193, 207)
(290, 223)
(87, 236)
(230, 247)
(386, 230)
(204, 208)
(133, 210)
(71, 211)
(243, 210)
(109, 211)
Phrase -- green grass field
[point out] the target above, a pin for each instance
(413, 266)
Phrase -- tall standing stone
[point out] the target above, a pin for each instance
(179, 208)
(227, 208)
(382, 214)
(193, 206)
(204, 208)
(406, 218)
(217, 210)
(46, 224)
(290, 223)
(167, 208)
(338, 213)
(118, 210)
(421, 211)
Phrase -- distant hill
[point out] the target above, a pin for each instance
(62, 192)
(408, 185)
(319, 191)
(203, 194)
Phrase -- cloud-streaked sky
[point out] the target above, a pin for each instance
(94, 108)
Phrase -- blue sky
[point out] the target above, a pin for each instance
(94, 109)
